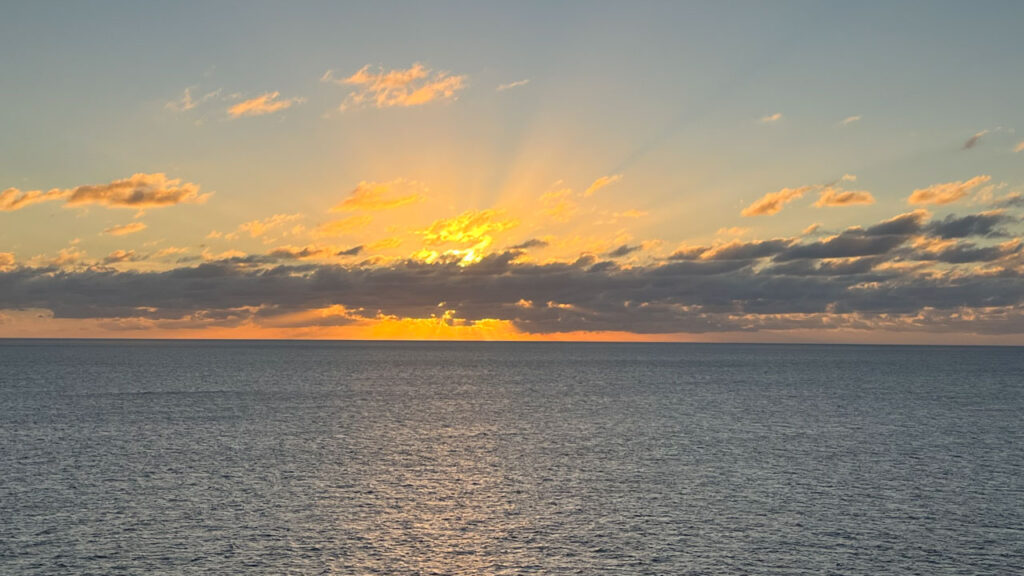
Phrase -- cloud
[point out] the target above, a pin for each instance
(262, 105)
(187, 102)
(13, 199)
(1019, 147)
(296, 253)
(984, 224)
(601, 183)
(853, 242)
(381, 195)
(118, 256)
(732, 231)
(837, 197)
(473, 227)
(531, 243)
(140, 191)
(257, 228)
(772, 202)
(623, 250)
(510, 85)
(974, 140)
(946, 193)
(124, 229)
(353, 251)
(891, 275)
(414, 86)
(771, 118)
(849, 120)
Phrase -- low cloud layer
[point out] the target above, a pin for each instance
(905, 273)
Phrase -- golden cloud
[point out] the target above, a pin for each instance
(125, 229)
(946, 193)
(472, 227)
(6, 260)
(381, 195)
(831, 196)
(771, 118)
(256, 228)
(397, 88)
(601, 183)
(140, 191)
(261, 105)
(772, 202)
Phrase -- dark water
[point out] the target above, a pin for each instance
(370, 458)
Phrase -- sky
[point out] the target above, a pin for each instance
(680, 171)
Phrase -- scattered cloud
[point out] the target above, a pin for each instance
(974, 140)
(849, 120)
(771, 118)
(946, 193)
(6, 260)
(140, 191)
(13, 199)
(1019, 147)
(125, 229)
(831, 196)
(188, 102)
(732, 231)
(267, 103)
(473, 227)
(601, 182)
(118, 256)
(531, 243)
(511, 85)
(353, 251)
(382, 195)
(414, 86)
(624, 250)
(257, 228)
(772, 202)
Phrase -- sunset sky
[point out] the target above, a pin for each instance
(714, 171)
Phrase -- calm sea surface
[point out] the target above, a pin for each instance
(439, 458)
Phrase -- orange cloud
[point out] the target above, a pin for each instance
(601, 183)
(137, 192)
(381, 195)
(6, 260)
(772, 202)
(261, 105)
(13, 199)
(771, 118)
(125, 229)
(256, 228)
(947, 192)
(397, 88)
(837, 197)
(1019, 147)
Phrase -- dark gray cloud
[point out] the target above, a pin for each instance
(531, 243)
(623, 250)
(984, 224)
(353, 251)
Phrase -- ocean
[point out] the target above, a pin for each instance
(220, 457)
